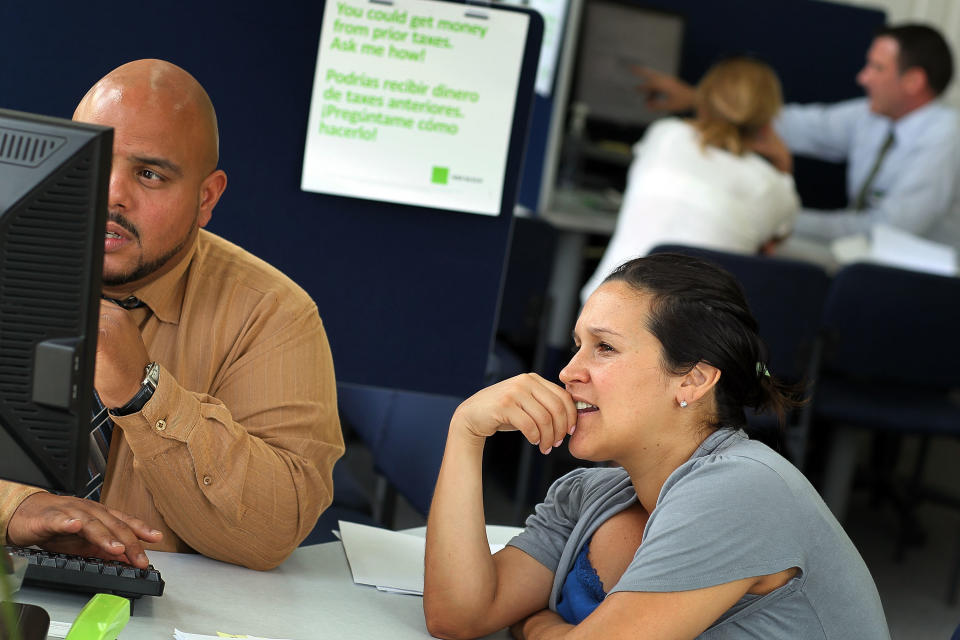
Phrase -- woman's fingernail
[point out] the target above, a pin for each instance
(558, 442)
(548, 451)
(537, 443)
(573, 428)
(154, 532)
(116, 543)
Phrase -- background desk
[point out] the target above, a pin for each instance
(311, 595)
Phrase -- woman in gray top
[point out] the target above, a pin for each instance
(697, 532)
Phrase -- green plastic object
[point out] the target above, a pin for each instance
(103, 618)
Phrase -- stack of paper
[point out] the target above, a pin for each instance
(388, 560)
(58, 629)
(901, 249)
(896, 248)
(183, 635)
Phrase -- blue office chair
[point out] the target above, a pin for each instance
(405, 432)
(890, 367)
(786, 297)
(350, 503)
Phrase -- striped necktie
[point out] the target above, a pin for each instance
(861, 201)
(101, 431)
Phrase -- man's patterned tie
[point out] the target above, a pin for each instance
(101, 430)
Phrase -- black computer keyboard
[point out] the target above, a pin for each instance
(89, 575)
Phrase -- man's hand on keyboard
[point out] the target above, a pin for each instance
(82, 527)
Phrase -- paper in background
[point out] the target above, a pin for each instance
(897, 248)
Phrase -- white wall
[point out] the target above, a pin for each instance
(941, 14)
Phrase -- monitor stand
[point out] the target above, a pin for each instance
(32, 622)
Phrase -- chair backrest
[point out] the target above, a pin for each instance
(524, 300)
(405, 432)
(786, 297)
(893, 325)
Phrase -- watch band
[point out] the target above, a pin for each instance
(147, 386)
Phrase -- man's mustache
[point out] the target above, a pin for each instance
(119, 220)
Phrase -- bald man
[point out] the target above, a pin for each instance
(216, 370)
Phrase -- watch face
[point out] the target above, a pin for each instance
(152, 374)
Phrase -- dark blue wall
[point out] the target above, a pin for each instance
(408, 295)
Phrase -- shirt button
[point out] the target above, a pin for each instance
(207, 480)
(161, 425)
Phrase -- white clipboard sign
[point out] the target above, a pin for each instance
(422, 102)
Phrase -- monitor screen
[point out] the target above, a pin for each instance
(616, 37)
(54, 177)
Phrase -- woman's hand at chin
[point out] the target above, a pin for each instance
(543, 411)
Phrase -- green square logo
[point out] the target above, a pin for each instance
(440, 175)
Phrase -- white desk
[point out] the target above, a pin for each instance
(311, 595)
(582, 210)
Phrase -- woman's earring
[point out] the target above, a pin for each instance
(683, 403)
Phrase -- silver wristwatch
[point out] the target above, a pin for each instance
(151, 375)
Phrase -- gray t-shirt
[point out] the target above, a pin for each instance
(735, 509)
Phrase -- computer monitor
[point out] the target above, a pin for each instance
(54, 177)
(617, 36)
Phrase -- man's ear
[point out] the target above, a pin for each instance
(697, 383)
(914, 80)
(211, 189)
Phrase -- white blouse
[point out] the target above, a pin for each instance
(678, 193)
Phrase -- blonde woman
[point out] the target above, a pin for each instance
(721, 180)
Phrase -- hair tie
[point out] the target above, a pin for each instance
(762, 370)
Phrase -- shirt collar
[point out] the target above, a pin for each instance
(719, 439)
(911, 125)
(164, 295)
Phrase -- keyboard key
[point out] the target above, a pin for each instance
(89, 575)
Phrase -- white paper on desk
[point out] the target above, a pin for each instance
(388, 560)
(384, 558)
(183, 635)
(901, 249)
(894, 247)
(403, 592)
(853, 248)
